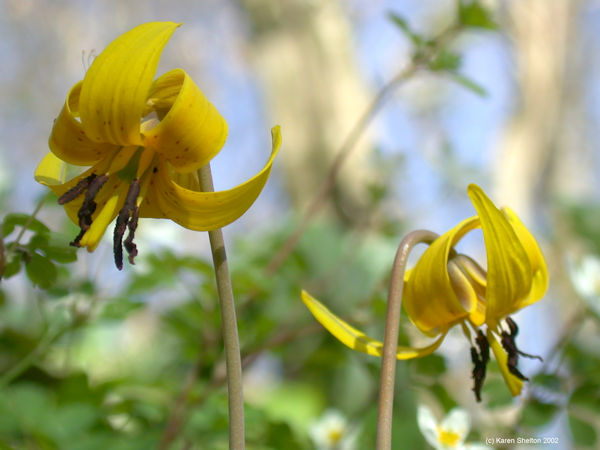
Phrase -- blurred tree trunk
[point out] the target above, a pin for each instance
(544, 143)
(304, 55)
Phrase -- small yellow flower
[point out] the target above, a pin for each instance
(144, 140)
(446, 288)
(448, 434)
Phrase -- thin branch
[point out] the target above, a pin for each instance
(349, 144)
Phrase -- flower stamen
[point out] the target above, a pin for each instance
(77, 190)
(88, 206)
(509, 344)
(127, 218)
(480, 360)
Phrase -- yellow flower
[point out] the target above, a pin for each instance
(144, 140)
(446, 288)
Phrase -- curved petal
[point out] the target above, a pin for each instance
(114, 91)
(357, 340)
(428, 425)
(193, 131)
(539, 283)
(515, 385)
(68, 141)
(429, 296)
(458, 423)
(509, 274)
(203, 211)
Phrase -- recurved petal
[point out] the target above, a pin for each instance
(429, 297)
(539, 269)
(204, 211)
(192, 132)
(68, 141)
(514, 384)
(357, 340)
(509, 273)
(115, 88)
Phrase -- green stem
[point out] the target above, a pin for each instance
(390, 343)
(233, 359)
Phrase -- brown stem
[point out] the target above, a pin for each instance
(390, 343)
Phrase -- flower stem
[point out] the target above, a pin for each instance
(390, 343)
(233, 359)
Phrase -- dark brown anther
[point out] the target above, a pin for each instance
(89, 206)
(123, 220)
(128, 242)
(480, 359)
(77, 190)
(510, 346)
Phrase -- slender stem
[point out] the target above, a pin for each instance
(390, 343)
(233, 359)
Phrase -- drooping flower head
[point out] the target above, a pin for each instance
(143, 139)
(446, 288)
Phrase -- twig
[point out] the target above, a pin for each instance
(349, 143)
(390, 343)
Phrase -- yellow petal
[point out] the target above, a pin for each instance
(357, 340)
(429, 298)
(203, 211)
(68, 141)
(51, 170)
(110, 201)
(539, 283)
(193, 131)
(514, 384)
(115, 88)
(509, 273)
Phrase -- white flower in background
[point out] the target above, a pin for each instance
(450, 433)
(585, 276)
(331, 432)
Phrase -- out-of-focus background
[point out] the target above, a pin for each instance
(107, 359)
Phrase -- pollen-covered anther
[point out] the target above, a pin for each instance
(128, 216)
(89, 204)
(77, 190)
(510, 346)
(480, 360)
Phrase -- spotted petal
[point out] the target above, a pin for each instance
(357, 340)
(68, 141)
(115, 88)
(509, 270)
(203, 211)
(192, 132)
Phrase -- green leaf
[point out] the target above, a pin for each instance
(537, 413)
(549, 381)
(13, 264)
(469, 84)
(433, 365)
(12, 220)
(495, 393)
(583, 433)
(474, 15)
(403, 25)
(445, 60)
(40, 270)
(58, 249)
(586, 396)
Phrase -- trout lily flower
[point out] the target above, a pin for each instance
(143, 141)
(447, 288)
